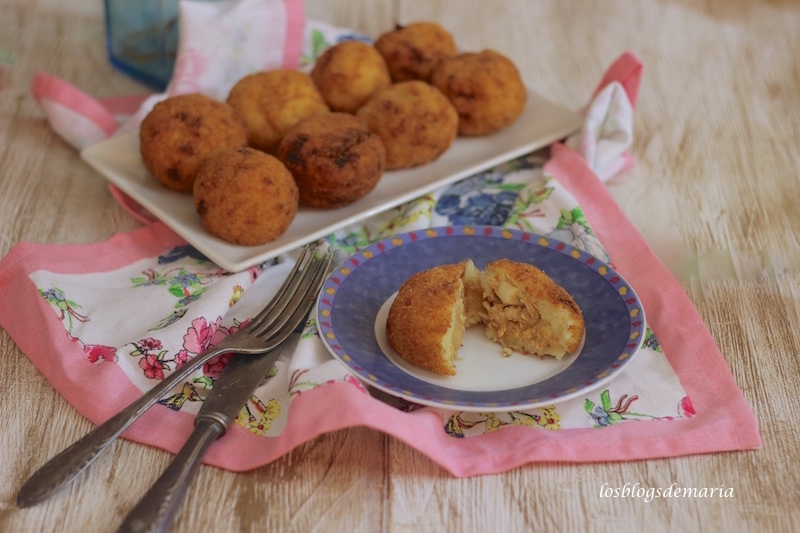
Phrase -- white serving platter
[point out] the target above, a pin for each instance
(118, 160)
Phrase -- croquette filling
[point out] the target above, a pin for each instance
(513, 320)
(521, 310)
(452, 340)
(516, 322)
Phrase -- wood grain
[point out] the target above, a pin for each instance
(715, 192)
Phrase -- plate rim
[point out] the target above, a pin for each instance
(209, 245)
(354, 261)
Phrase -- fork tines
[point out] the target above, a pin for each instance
(295, 297)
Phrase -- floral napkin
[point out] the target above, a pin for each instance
(122, 314)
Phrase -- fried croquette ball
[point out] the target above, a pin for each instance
(485, 88)
(334, 158)
(427, 318)
(245, 197)
(348, 73)
(272, 102)
(412, 52)
(414, 120)
(182, 132)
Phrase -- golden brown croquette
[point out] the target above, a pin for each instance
(349, 73)
(272, 102)
(245, 196)
(412, 52)
(334, 158)
(182, 132)
(485, 88)
(414, 120)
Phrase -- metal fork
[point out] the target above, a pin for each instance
(158, 508)
(285, 312)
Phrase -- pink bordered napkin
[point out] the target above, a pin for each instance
(119, 315)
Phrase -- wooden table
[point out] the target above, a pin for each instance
(715, 191)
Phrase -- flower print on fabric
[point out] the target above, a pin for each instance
(412, 215)
(486, 209)
(185, 284)
(238, 292)
(188, 393)
(257, 416)
(463, 424)
(310, 329)
(151, 288)
(66, 308)
(320, 36)
(606, 414)
(650, 341)
(299, 382)
(179, 252)
(416, 214)
(152, 358)
(181, 283)
(526, 207)
(574, 229)
(201, 335)
(685, 408)
(155, 361)
(153, 368)
(482, 199)
(350, 242)
(98, 352)
(214, 367)
(488, 197)
(317, 45)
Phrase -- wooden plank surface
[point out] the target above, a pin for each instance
(715, 191)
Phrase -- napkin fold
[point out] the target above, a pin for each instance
(100, 351)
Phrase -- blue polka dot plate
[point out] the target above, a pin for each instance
(354, 303)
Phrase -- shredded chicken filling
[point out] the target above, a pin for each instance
(513, 322)
(510, 319)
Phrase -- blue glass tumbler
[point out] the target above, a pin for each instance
(142, 38)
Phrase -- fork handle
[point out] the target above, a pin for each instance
(62, 468)
(158, 507)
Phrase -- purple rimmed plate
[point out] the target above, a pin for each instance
(353, 304)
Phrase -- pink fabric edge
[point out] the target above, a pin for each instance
(663, 297)
(295, 19)
(45, 86)
(131, 206)
(691, 350)
(124, 105)
(628, 162)
(724, 421)
(96, 403)
(627, 70)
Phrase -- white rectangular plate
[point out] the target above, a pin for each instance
(119, 160)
